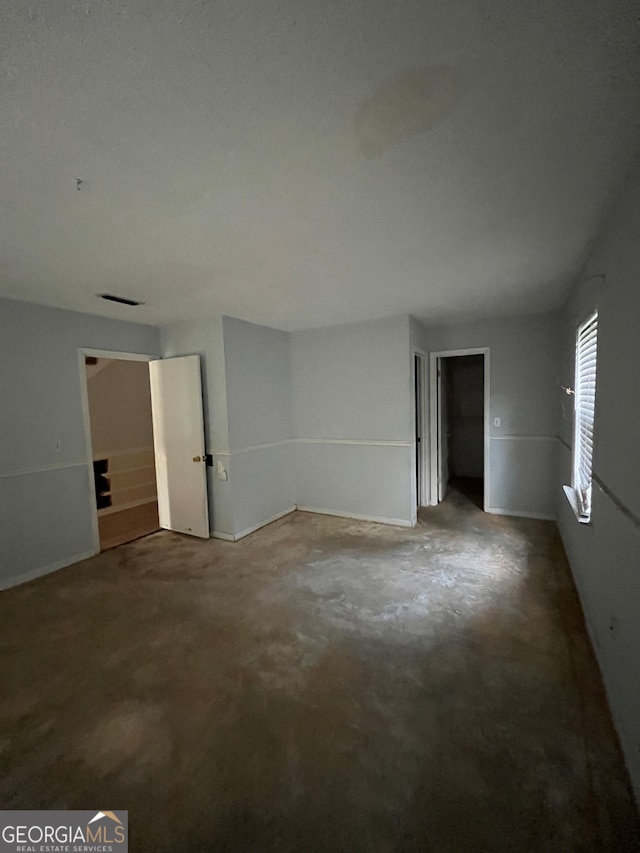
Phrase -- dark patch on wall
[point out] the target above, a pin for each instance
(405, 105)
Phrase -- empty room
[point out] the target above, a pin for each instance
(319, 394)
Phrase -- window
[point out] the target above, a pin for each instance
(585, 401)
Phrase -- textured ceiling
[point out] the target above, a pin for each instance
(312, 162)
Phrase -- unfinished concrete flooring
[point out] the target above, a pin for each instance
(323, 685)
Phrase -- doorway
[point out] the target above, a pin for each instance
(146, 457)
(122, 447)
(459, 412)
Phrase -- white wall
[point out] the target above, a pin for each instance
(605, 555)
(345, 446)
(260, 457)
(247, 401)
(46, 497)
(120, 407)
(352, 416)
(523, 390)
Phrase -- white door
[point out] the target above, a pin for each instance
(178, 437)
(443, 430)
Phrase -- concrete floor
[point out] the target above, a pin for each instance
(323, 685)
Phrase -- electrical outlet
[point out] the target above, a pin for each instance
(496, 422)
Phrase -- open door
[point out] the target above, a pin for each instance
(443, 430)
(178, 434)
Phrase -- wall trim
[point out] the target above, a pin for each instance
(42, 469)
(248, 449)
(376, 519)
(364, 442)
(234, 537)
(128, 452)
(541, 516)
(119, 356)
(7, 583)
(615, 500)
(523, 437)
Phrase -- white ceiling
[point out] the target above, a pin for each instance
(307, 162)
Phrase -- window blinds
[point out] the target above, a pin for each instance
(586, 352)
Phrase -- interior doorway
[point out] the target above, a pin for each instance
(122, 447)
(146, 457)
(459, 412)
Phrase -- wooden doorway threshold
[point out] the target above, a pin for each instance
(116, 528)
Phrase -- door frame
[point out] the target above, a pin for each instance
(443, 429)
(421, 414)
(86, 419)
(434, 359)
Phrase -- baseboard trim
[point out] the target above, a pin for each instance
(234, 537)
(376, 519)
(218, 534)
(7, 583)
(540, 516)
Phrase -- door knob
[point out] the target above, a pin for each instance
(197, 458)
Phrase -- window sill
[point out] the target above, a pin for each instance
(572, 497)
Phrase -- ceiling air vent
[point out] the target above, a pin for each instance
(121, 299)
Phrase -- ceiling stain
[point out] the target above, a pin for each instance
(405, 105)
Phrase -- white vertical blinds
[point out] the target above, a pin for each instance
(585, 401)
